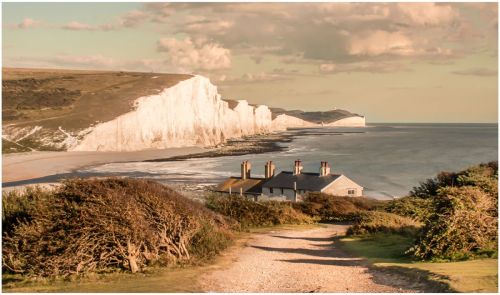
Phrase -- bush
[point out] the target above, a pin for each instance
(484, 176)
(19, 207)
(416, 208)
(250, 213)
(98, 225)
(464, 224)
(374, 222)
(332, 208)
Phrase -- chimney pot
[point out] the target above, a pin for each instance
(297, 169)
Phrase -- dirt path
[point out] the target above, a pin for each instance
(300, 261)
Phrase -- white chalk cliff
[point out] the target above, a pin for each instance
(190, 113)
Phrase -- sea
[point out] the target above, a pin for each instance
(388, 160)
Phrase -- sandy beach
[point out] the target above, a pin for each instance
(25, 166)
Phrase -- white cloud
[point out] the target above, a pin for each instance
(428, 13)
(88, 62)
(77, 26)
(26, 23)
(327, 68)
(378, 42)
(253, 78)
(481, 72)
(197, 54)
(133, 18)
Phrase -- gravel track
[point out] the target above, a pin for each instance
(300, 261)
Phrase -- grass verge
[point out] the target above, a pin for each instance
(384, 250)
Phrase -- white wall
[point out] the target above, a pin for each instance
(288, 194)
(341, 186)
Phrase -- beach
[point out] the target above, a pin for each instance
(32, 165)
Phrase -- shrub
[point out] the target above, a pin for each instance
(463, 224)
(333, 208)
(92, 225)
(374, 221)
(250, 213)
(484, 176)
(416, 208)
(19, 207)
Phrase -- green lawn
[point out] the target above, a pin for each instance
(386, 251)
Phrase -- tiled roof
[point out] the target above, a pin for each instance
(305, 181)
(249, 185)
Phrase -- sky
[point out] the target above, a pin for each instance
(391, 62)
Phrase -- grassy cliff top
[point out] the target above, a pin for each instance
(74, 99)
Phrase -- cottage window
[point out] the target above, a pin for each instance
(351, 192)
(271, 190)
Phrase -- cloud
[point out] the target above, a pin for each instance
(327, 68)
(378, 42)
(77, 26)
(428, 13)
(366, 67)
(133, 18)
(480, 72)
(88, 62)
(253, 78)
(202, 25)
(26, 23)
(195, 55)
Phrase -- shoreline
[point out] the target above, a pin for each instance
(35, 165)
(46, 168)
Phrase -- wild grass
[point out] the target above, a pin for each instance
(385, 251)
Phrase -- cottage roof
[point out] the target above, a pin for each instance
(249, 185)
(305, 181)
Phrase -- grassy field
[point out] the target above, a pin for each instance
(385, 251)
(181, 279)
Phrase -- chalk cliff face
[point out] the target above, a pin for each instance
(356, 121)
(283, 121)
(189, 113)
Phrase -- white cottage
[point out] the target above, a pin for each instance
(293, 185)
(290, 185)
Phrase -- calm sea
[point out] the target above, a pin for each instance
(387, 159)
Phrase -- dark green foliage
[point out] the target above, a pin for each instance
(332, 208)
(254, 214)
(374, 222)
(95, 225)
(463, 224)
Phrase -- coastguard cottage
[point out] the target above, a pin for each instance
(289, 185)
